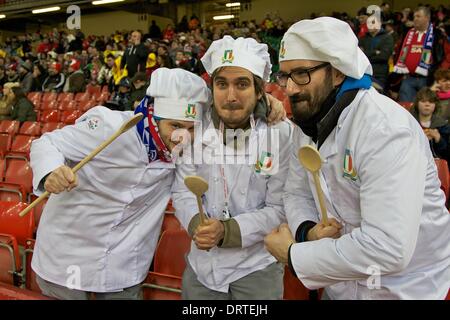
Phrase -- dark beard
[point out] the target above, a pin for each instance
(304, 113)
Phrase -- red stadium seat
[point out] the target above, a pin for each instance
(19, 172)
(406, 105)
(9, 292)
(82, 96)
(93, 90)
(170, 251)
(159, 286)
(66, 97)
(12, 192)
(30, 275)
(9, 259)
(444, 176)
(170, 222)
(287, 107)
(69, 116)
(293, 288)
(50, 126)
(2, 169)
(5, 143)
(49, 96)
(21, 228)
(279, 94)
(49, 105)
(50, 116)
(9, 126)
(30, 128)
(38, 209)
(34, 96)
(86, 105)
(20, 147)
(270, 87)
(68, 105)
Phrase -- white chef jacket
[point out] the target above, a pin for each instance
(255, 202)
(106, 228)
(389, 201)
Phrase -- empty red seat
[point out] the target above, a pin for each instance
(92, 90)
(287, 107)
(86, 105)
(406, 105)
(30, 275)
(2, 168)
(21, 228)
(68, 105)
(12, 192)
(279, 93)
(9, 126)
(69, 116)
(34, 95)
(50, 116)
(49, 105)
(293, 288)
(49, 96)
(83, 96)
(19, 172)
(30, 128)
(38, 209)
(10, 292)
(270, 87)
(444, 175)
(9, 259)
(5, 143)
(170, 252)
(66, 97)
(159, 286)
(21, 147)
(50, 126)
(170, 222)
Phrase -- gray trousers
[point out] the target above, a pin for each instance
(265, 284)
(53, 290)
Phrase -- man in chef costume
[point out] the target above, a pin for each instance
(245, 164)
(101, 236)
(388, 234)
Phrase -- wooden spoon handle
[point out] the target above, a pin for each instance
(319, 191)
(200, 209)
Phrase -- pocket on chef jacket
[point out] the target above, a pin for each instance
(256, 191)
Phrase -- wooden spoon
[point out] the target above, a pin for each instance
(198, 186)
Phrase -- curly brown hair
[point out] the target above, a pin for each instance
(426, 94)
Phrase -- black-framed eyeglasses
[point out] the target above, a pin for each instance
(300, 76)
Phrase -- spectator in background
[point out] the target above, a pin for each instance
(26, 76)
(11, 72)
(22, 109)
(39, 76)
(3, 78)
(135, 56)
(426, 110)
(121, 100)
(55, 80)
(378, 47)
(421, 53)
(6, 102)
(169, 33)
(154, 31)
(362, 18)
(442, 89)
(138, 86)
(151, 64)
(105, 75)
(75, 82)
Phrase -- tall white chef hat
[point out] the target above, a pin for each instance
(329, 40)
(243, 52)
(179, 94)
